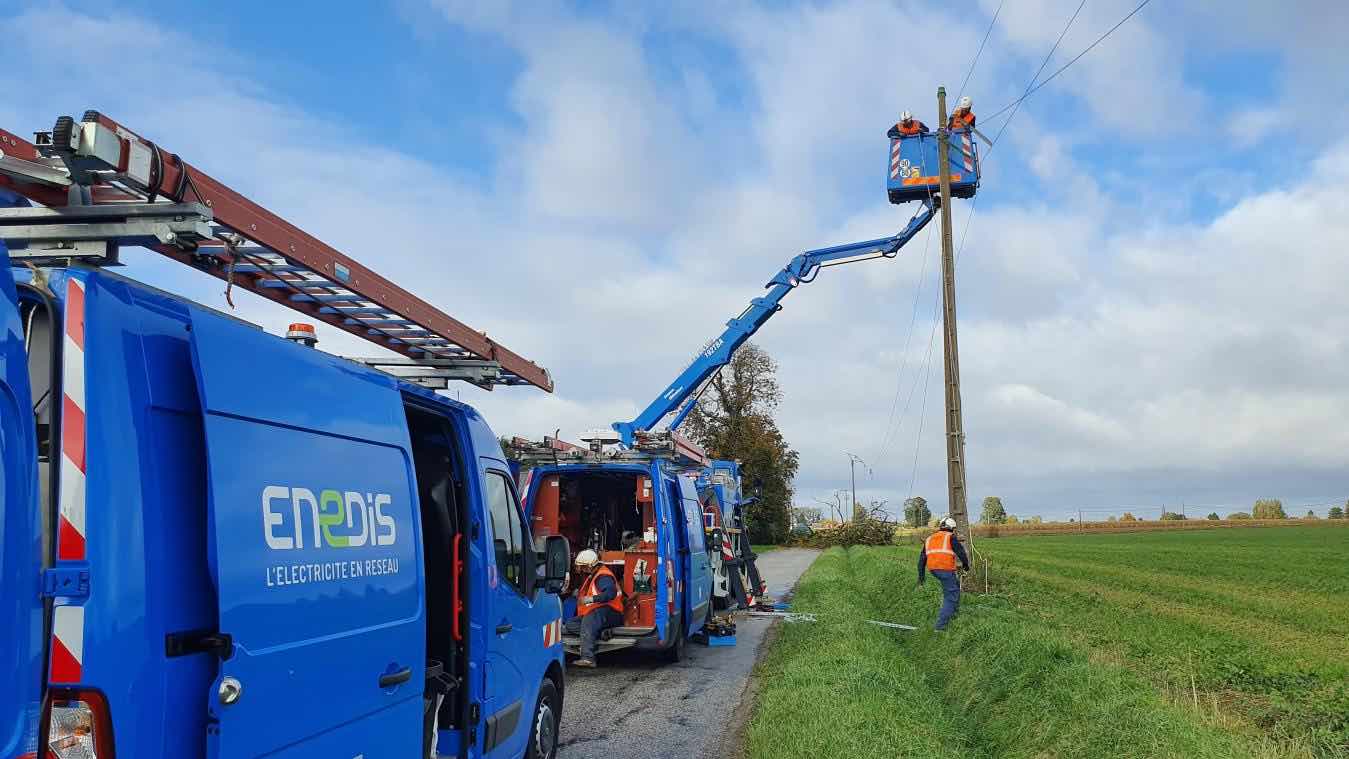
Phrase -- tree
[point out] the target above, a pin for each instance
(1035, 520)
(1011, 519)
(1111, 518)
(733, 419)
(993, 512)
(1335, 513)
(1268, 508)
(1239, 515)
(1213, 516)
(1128, 517)
(916, 512)
(1171, 516)
(1311, 515)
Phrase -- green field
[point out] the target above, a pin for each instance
(1223, 643)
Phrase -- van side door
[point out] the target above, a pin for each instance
(698, 592)
(514, 641)
(315, 551)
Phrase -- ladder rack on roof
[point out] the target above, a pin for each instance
(80, 168)
(679, 451)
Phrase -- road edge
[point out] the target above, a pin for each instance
(732, 744)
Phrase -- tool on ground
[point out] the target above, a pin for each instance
(894, 625)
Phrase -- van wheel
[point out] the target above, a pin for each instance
(675, 653)
(543, 729)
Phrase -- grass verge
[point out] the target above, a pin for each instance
(998, 683)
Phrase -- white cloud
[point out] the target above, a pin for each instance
(1107, 354)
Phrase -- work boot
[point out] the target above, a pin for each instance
(587, 663)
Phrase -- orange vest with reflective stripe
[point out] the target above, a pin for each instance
(915, 127)
(939, 552)
(588, 589)
(960, 120)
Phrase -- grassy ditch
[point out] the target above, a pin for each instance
(999, 683)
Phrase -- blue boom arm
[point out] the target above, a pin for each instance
(679, 397)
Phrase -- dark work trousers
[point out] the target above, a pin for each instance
(950, 591)
(590, 626)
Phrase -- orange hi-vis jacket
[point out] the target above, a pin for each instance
(940, 555)
(914, 127)
(588, 589)
(960, 120)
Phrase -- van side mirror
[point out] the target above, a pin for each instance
(556, 563)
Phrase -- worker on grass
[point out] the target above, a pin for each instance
(599, 605)
(907, 126)
(939, 554)
(962, 117)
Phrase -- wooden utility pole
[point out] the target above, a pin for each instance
(955, 425)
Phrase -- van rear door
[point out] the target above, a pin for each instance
(315, 551)
(22, 638)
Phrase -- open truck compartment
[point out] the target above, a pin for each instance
(614, 514)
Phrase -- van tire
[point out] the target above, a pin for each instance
(543, 728)
(675, 653)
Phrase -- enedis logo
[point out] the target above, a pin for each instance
(327, 513)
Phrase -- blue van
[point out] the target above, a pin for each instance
(215, 542)
(642, 516)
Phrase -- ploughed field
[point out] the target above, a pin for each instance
(1221, 643)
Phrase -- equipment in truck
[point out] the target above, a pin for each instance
(243, 545)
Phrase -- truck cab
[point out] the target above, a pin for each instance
(644, 520)
(218, 543)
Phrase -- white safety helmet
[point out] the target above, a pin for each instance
(946, 523)
(587, 558)
(906, 116)
(966, 103)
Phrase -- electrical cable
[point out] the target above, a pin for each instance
(980, 51)
(904, 354)
(1065, 66)
(1031, 83)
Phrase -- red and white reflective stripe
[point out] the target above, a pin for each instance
(67, 664)
(894, 159)
(70, 542)
(552, 633)
(726, 552)
(968, 150)
(525, 478)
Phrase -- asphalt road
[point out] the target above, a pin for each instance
(635, 707)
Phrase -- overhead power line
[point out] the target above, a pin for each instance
(980, 51)
(1031, 84)
(1065, 66)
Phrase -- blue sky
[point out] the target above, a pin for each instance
(1148, 300)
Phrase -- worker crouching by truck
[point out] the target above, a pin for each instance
(599, 605)
(940, 552)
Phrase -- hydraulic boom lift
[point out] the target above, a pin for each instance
(101, 181)
(913, 173)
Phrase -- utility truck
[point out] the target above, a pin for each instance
(638, 509)
(216, 542)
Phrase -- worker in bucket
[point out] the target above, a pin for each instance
(599, 605)
(962, 117)
(939, 554)
(907, 126)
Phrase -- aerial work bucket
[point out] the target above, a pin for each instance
(913, 171)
